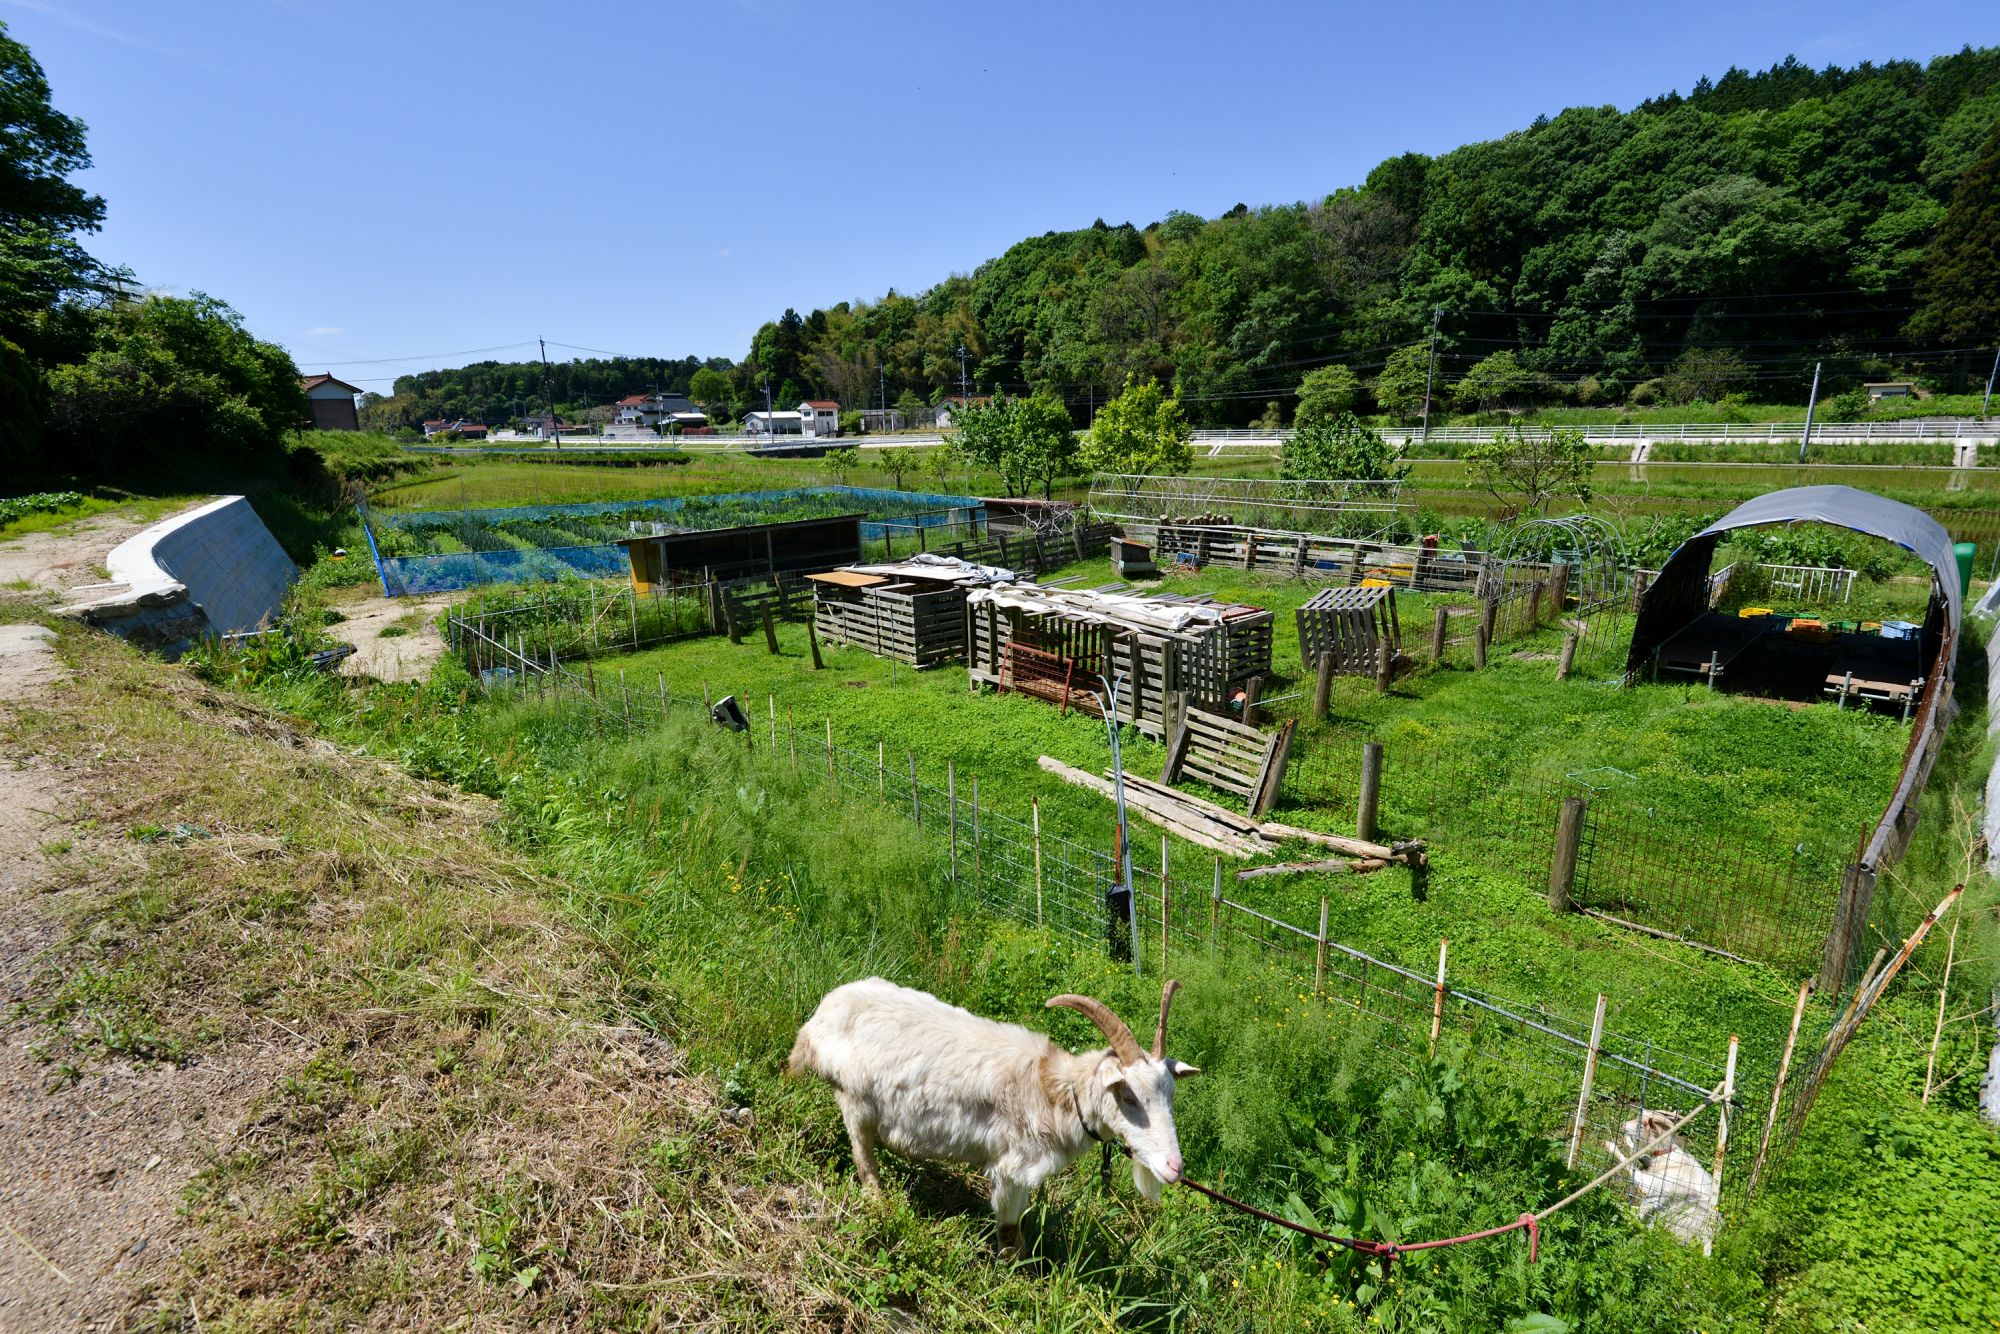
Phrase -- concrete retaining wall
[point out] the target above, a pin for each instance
(214, 569)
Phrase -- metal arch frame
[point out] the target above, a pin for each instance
(1601, 578)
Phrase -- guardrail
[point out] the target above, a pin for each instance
(1913, 430)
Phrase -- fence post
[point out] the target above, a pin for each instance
(1253, 690)
(1319, 955)
(812, 643)
(1369, 799)
(770, 632)
(663, 699)
(1489, 618)
(1722, 1128)
(951, 814)
(771, 709)
(1589, 1078)
(1481, 638)
(916, 803)
(632, 607)
(978, 863)
(881, 767)
(1035, 817)
(1384, 662)
(1843, 938)
(1437, 1005)
(1438, 627)
(1323, 686)
(1562, 868)
(1215, 906)
(625, 696)
(1163, 905)
(1778, 1087)
(1568, 659)
(832, 780)
(792, 738)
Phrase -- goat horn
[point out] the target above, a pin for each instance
(1160, 1033)
(1123, 1045)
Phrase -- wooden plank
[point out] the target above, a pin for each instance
(1161, 812)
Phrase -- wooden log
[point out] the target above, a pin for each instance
(1568, 659)
(770, 631)
(1562, 869)
(1332, 866)
(1385, 662)
(1354, 847)
(1481, 638)
(1368, 802)
(1253, 690)
(1438, 626)
(1189, 824)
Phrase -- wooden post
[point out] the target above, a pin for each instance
(1215, 906)
(1535, 605)
(1384, 662)
(1253, 690)
(1562, 868)
(1724, 1117)
(792, 737)
(729, 618)
(1163, 904)
(881, 767)
(1568, 659)
(916, 803)
(1035, 818)
(1489, 616)
(1323, 686)
(770, 632)
(1843, 938)
(771, 705)
(1589, 1078)
(625, 697)
(1319, 957)
(1438, 627)
(1369, 800)
(1778, 1086)
(632, 607)
(812, 644)
(663, 699)
(831, 779)
(1437, 1005)
(951, 813)
(978, 863)
(1480, 640)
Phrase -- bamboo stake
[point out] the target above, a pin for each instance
(1778, 1087)
(663, 699)
(1589, 1078)
(771, 709)
(1035, 814)
(1163, 905)
(831, 779)
(1215, 905)
(881, 767)
(1437, 1005)
(1944, 988)
(951, 813)
(916, 801)
(1723, 1118)
(792, 737)
(978, 862)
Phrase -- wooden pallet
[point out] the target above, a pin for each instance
(1227, 755)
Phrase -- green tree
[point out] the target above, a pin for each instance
(173, 381)
(41, 210)
(842, 462)
(1497, 381)
(1528, 468)
(1704, 375)
(937, 465)
(1399, 389)
(1143, 430)
(1025, 440)
(1961, 292)
(1341, 449)
(911, 404)
(710, 388)
(1326, 394)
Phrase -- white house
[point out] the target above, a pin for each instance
(332, 403)
(1891, 389)
(773, 423)
(819, 418)
(649, 410)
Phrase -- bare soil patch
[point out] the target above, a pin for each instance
(407, 651)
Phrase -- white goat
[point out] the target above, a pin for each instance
(930, 1080)
(1669, 1186)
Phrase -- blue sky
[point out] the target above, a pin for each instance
(384, 187)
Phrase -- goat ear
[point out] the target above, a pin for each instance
(1182, 1070)
(1110, 1075)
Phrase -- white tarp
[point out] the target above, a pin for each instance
(931, 565)
(1102, 608)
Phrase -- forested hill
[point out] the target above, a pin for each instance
(498, 391)
(1762, 221)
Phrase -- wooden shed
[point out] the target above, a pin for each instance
(684, 555)
(1350, 624)
(1057, 643)
(910, 611)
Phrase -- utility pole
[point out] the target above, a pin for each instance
(964, 392)
(549, 394)
(883, 371)
(1812, 401)
(1987, 401)
(1430, 369)
(770, 417)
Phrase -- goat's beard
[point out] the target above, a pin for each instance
(1149, 1185)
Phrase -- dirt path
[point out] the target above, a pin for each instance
(395, 639)
(56, 562)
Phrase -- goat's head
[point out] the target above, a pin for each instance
(1642, 1130)
(1134, 1091)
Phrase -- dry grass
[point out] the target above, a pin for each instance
(458, 1127)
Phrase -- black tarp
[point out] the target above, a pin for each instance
(1680, 593)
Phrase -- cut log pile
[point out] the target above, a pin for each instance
(1219, 829)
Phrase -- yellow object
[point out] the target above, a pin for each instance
(1815, 632)
(1376, 583)
(1753, 611)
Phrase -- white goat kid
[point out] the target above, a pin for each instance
(1669, 1186)
(930, 1080)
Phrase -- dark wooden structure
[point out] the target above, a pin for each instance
(1424, 566)
(681, 556)
(1349, 624)
(1057, 643)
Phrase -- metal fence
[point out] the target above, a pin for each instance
(1912, 429)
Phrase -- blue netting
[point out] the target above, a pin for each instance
(434, 551)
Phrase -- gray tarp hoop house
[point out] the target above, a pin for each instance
(1680, 595)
